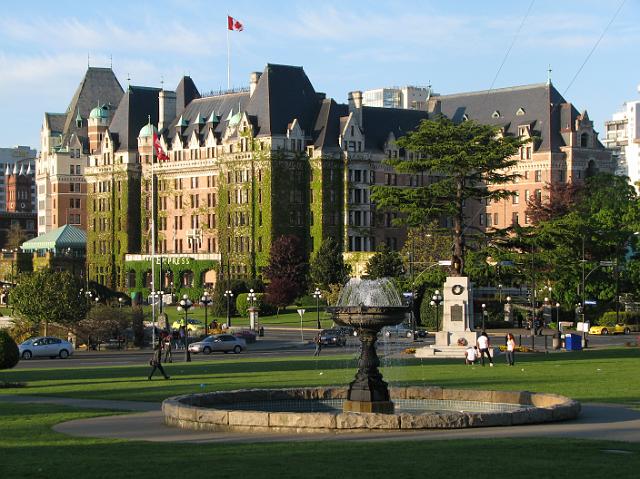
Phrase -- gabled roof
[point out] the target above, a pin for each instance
(538, 102)
(99, 85)
(55, 121)
(133, 112)
(327, 127)
(378, 122)
(283, 93)
(66, 236)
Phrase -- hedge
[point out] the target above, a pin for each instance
(9, 355)
(609, 318)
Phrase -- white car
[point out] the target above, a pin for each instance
(45, 346)
(218, 342)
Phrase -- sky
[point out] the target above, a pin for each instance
(455, 46)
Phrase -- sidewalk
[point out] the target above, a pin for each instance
(609, 422)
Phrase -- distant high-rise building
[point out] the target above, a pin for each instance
(406, 97)
(15, 162)
(622, 137)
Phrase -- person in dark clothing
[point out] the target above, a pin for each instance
(156, 361)
(318, 342)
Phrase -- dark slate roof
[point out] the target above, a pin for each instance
(539, 102)
(378, 122)
(220, 104)
(186, 92)
(327, 128)
(99, 86)
(55, 121)
(133, 112)
(282, 94)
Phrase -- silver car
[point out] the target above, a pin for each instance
(218, 342)
(46, 346)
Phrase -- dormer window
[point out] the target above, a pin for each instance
(584, 140)
(353, 129)
(495, 114)
(465, 117)
(520, 112)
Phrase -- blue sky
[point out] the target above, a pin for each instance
(454, 45)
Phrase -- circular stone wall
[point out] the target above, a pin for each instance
(249, 410)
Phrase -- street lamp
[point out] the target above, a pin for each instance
(228, 294)
(252, 310)
(436, 299)
(484, 313)
(500, 292)
(185, 305)
(317, 294)
(206, 300)
(558, 316)
(120, 302)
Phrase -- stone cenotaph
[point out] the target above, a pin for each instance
(457, 321)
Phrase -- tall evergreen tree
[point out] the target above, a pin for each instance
(463, 160)
(385, 263)
(328, 266)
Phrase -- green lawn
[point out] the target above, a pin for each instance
(29, 448)
(609, 375)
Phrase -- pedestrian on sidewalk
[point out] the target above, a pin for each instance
(511, 349)
(318, 342)
(167, 349)
(156, 361)
(484, 344)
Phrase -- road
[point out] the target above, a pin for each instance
(279, 342)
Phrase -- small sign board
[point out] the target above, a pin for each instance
(456, 312)
(583, 327)
(301, 312)
(590, 302)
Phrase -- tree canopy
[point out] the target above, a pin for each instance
(328, 266)
(464, 161)
(385, 263)
(48, 296)
(287, 261)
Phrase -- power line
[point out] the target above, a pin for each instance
(594, 46)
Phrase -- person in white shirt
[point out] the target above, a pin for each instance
(511, 349)
(483, 345)
(471, 355)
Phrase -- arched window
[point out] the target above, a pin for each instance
(187, 278)
(592, 169)
(148, 279)
(584, 140)
(209, 278)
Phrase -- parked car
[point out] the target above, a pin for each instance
(45, 346)
(403, 331)
(218, 342)
(332, 337)
(192, 324)
(606, 330)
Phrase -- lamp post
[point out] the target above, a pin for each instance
(317, 294)
(507, 309)
(484, 312)
(558, 316)
(251, 299)
(436, 299)
(228, 294)
(206, 301)
(500, 292)
(185, 305)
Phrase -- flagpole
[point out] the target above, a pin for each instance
(153, 244)
(228, 57)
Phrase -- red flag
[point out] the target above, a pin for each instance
(162, 156)
(233, 24)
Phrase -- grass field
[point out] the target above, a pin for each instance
(609, 375)
(29, 448)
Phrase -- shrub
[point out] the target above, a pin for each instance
(9, 355)
(242, 304)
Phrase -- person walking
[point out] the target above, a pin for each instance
(168, 349)
(156, 361)
(483, 345)
(318, 345)
(183, 337)
(511, 349)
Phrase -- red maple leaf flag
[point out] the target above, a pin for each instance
(233, 24)
(162, 156)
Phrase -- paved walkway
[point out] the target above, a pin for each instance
(598, 421)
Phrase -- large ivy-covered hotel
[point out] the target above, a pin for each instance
(246, 167)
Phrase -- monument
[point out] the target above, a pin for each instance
(457, 321)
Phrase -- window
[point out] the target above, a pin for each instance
(194, 182)
(514, 218)
(528, 152)
(515, 198)
(584, 140)
(538, 176)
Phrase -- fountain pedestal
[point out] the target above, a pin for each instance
(368, 392)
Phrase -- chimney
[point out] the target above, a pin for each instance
(253, 82)
(167, 106)
(355, 105)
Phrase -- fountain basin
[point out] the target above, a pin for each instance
(309, 410)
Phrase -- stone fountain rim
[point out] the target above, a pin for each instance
(214, 411)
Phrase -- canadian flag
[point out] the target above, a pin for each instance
(233, 24)
(162, 156)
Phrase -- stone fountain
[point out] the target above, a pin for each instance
(368, 306)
